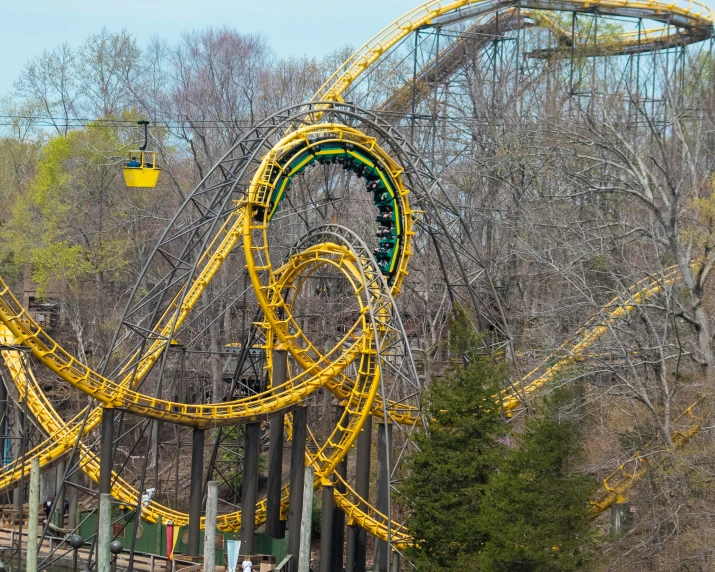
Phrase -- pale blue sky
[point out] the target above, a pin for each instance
(311, 27)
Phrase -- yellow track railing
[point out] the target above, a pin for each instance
(575, 347)
(692, 14)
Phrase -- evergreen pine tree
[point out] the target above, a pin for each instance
(536, 508)
(446, 479)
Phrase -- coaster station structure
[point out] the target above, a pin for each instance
(293, 256)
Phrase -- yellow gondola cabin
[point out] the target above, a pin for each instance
(141, 169)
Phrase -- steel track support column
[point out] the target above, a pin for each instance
(3, 419)
(338, 534)
(196, 491)
(275, 527)
(350, 551)
(59, 496)
(297, 478)
(326, 529)
(414, 88)
(32, 515)
(74, 497)
(18, 455)
(21, 427)
(250, 486)
(355, 557)
(156, 435)
(362, 488)
(106, 453)
(104, 534)
(384, 443)
(59, 479)
(177, 428)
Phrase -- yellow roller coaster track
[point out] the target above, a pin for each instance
(482, 33)
(609, 43)
(357, 404)
(573, 350)
(357, 401)
(64, 436)
(619, 483)
(249, 223)
(688, 15)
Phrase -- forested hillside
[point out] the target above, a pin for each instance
(579, 200)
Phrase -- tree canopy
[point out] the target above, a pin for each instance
(486, 496)
(535, 510)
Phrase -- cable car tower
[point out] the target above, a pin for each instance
(141, 169)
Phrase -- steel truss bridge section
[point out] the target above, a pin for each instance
(370, 369)
(492, 27)
(694, 19)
